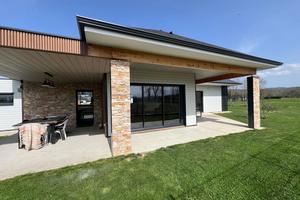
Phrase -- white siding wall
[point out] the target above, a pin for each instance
(212, 98)
(163, 77)
(10, 115)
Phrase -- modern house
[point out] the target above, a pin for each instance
(119, 78)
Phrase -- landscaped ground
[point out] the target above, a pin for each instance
(261, 164)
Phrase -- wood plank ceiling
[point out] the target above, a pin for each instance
(30, 65)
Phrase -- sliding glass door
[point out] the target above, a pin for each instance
(154, 106)
(172, 105)
(137, 118)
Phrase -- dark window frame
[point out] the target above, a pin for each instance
(182, 108)
(8, 103)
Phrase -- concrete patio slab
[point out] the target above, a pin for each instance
(83, 146)
(86, 145)
(210, 125)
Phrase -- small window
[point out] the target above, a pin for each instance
(6, 99)
(84, 98)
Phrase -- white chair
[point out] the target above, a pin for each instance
(61, 129)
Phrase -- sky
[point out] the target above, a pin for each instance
(268, 28)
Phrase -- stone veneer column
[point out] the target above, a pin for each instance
(120, 108)
(253, 102)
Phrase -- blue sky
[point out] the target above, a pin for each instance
(269, 28)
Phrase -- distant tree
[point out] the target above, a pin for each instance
(233, 93)
(265, 106)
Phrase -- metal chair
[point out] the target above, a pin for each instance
(61, 129)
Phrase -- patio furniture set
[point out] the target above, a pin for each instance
(36, 133)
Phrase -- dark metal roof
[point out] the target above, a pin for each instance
(166, 37)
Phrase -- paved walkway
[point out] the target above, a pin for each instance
(88, 145)
(210, 125)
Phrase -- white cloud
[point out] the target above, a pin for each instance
(248, 46)
(290, 68)
(250, 43)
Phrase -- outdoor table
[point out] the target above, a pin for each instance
(44, 120)
(51, 121)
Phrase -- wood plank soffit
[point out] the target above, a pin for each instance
(150, 58)
(220, 77)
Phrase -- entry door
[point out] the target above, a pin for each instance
(199, 101)
(84, 108)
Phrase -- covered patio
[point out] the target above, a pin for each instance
(75, 90)
(86, 145)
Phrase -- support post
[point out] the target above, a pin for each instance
(120, 108)
(253, 102)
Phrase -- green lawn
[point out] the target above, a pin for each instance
(261, 164)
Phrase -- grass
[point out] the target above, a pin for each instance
(262, 164)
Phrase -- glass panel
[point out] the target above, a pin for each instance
(136, 100)
(153, 105)
(172, 119)
(152, 121)
(156, 105)
(84, 98)
(85, 110)
(199, 101)
(171, 105)
(136, 121)
(136, 106)
(6, 99)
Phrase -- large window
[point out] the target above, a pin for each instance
(155, 105)
(136, 107)
(6, 99)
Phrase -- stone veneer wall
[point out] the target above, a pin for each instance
(41, 101)
(120, 112)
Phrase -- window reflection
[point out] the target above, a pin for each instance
(153, 106)
(84, 98)
(171, 105)
(136, 107)
(156, 106)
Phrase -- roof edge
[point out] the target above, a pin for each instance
(89, 22)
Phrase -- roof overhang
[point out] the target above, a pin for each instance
(220, 84)
(112, 35)
(31, 65)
